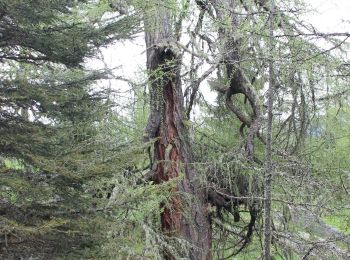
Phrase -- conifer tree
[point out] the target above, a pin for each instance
(49, 120)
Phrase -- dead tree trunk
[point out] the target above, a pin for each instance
(269, 164)
(186, 215)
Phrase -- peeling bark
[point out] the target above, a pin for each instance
(186, 219)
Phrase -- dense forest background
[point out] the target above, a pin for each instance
(230, 142)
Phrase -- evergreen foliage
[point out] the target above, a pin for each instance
(76, 177)
(50, 121)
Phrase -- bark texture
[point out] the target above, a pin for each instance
(269, 164)
(186, 216)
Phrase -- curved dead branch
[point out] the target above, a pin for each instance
(240, 84)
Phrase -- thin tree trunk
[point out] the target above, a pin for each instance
(269, 166)
(185, 216)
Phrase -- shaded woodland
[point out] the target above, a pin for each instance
(231, 141)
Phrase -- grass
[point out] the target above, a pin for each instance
(341, 221)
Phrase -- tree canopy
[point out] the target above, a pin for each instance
(95, 163)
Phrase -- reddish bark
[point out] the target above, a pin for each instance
(172, 156)
(188, 219)
(171, 216)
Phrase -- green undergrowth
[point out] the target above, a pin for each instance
(340, 221)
